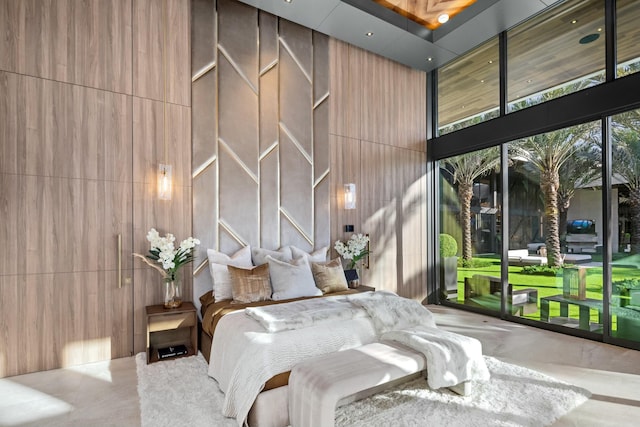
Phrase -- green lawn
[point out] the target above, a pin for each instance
(549, 285)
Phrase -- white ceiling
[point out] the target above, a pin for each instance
(398, 38)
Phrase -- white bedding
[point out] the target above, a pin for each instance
(305, 313)
(244, 355)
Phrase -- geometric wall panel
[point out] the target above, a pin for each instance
(270, 121)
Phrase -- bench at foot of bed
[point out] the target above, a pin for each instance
(317, 386)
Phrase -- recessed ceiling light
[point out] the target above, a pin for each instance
(529, 81)
(288, 1)
(429, 59)
(574, 21)
(463, 107)
(599, 29)
(481, 81)
(443, 18)
(491, 61)
(369, 34)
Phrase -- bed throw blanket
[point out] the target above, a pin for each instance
(451, 358)
(302, 314)
(389, 312)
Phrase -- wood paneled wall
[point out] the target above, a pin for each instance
(377, 133)
(81, 134)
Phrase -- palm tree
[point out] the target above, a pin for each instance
(466, 169)
(626, 158)
(584, 168)
(549, 153)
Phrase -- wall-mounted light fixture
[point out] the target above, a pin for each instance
(164, 169)
(164, 182)
(349, 196)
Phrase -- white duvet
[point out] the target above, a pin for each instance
(244, 355)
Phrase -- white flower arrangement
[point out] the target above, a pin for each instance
(354, 250)
(163, 251)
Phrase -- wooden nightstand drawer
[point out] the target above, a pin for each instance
(171, 321)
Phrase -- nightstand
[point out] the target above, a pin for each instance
(168, 327)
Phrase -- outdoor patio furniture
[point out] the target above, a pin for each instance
(521, 257)
(486, 290)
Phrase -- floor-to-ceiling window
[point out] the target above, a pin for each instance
(625, 197)
(560, 246)
(555, 227)
(470, 215)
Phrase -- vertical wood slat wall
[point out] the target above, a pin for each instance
(81, 91)
(377, 132)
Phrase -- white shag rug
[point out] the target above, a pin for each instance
(179, 392)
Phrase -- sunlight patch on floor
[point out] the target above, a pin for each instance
(20, 404)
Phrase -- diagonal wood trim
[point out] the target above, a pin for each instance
(200, 267)
(321, 100)
(295, 225)
(204, 166)
(228, 149)
(269, 66)
(237, 68)
(288, 49)
(268, 150)
(321, 178)
(231, 231)
(296, 143)
(203, 71)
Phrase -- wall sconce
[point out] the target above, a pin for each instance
(349, 196)
(164, 182)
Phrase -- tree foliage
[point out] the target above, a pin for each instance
(466, 168)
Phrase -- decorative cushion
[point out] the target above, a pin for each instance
(218, 263)
(317, 256)
(291, 280)
(329, 277)
(251, 284)
(259, 255)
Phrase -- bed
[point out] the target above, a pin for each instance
(271, 310)
(251, 360)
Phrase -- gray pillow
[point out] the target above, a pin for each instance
(291, 280)
(259, 255)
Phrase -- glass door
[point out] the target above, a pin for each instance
(470, 229)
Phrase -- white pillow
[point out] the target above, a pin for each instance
(259, 255)
(318, 256)
(291, 280)
(220, 274)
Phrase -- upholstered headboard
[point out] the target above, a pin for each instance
(260, 133)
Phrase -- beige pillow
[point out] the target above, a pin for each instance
(249, 285)
(329, 277)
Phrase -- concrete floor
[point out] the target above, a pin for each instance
(105, 394)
